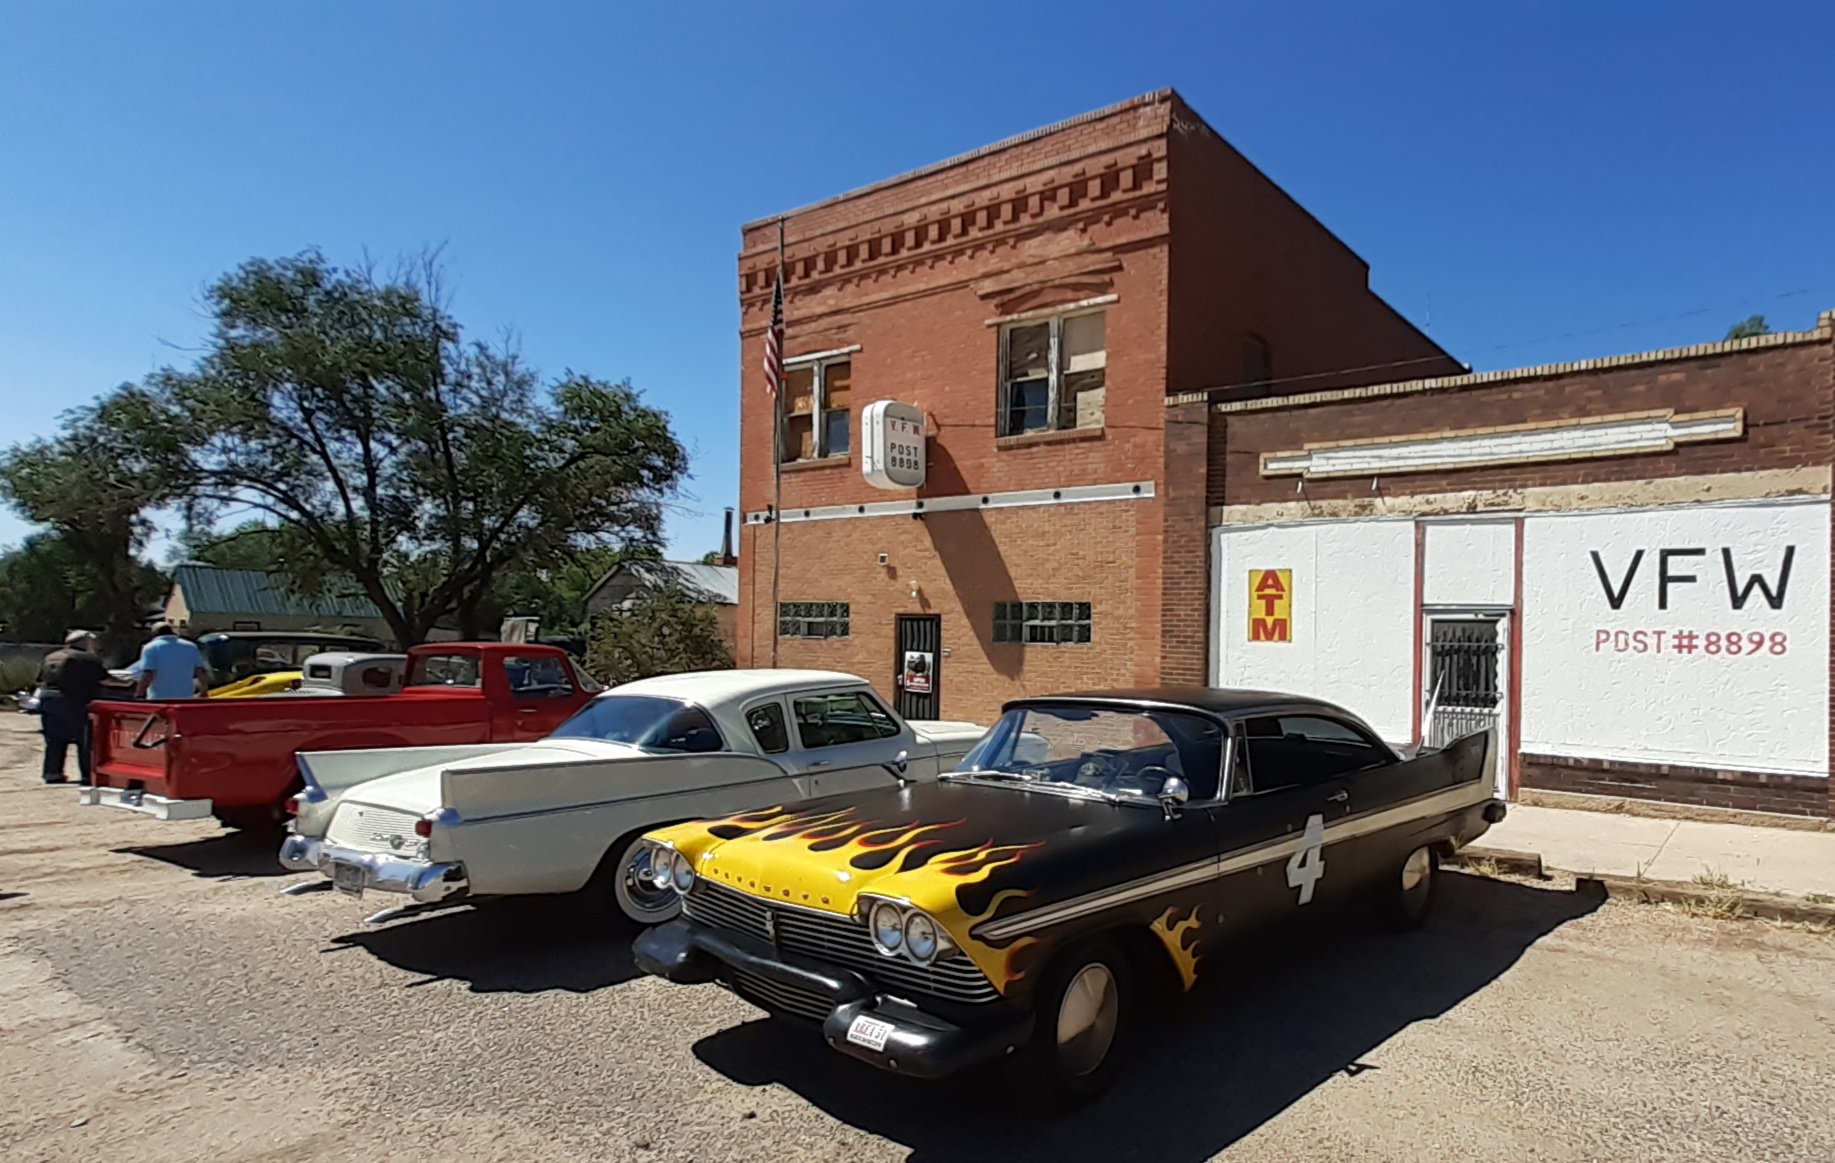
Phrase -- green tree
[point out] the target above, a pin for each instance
(394, 459)
(665, 634)
(45, 591)
(557, 594)
(95, 486)
(1748, 327)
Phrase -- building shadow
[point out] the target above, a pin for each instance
(971, 559)
(1283, 1019)
(513, 945)
(228, 854)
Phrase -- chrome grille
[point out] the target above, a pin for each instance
(777, 997)
(369, 829)
(839, 941)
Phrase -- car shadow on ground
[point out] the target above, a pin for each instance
(1281, 1021)
(513, 945)
(230, 853)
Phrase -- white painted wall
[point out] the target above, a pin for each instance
(1353, 616)
(1599, 682)
(1469, 563)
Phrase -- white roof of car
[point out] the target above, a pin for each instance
(718, 686)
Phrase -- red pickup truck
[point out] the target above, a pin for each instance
(234, 758)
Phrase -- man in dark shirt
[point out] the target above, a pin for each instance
(68, 682)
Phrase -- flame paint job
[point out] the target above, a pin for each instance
(1181, 941)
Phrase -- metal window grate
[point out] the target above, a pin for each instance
(1465, 654)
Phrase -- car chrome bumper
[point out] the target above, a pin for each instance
(420, 880)
(917, 1042)
(130, 800)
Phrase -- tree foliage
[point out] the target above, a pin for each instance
(45, 590)
(93, 486)
(1748, 327)
(392, 458)
(667, 633)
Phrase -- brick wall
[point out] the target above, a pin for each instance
(1785, 391)
(1797, 795)
(962, 563)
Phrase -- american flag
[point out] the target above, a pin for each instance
(774, 339)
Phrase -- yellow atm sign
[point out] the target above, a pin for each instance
(1271, 605)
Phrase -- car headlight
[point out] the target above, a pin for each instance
(887, 922)
(920, 937)
(681, 872)
(657, 866)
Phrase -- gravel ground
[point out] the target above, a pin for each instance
(159, 1001)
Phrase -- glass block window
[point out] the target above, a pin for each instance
(812, 619)
(1042, 623)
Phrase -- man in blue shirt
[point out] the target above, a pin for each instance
(171, 667)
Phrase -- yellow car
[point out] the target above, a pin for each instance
(260, 684)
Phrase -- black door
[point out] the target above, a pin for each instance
(916, 665)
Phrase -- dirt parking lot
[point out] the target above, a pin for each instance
(159, 1001)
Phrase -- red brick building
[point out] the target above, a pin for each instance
(1154, 387)
(1039, 300)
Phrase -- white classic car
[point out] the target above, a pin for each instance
(440, 825)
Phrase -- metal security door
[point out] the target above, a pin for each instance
(916, 663)
(1464, 677)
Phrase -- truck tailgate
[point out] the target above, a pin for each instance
(131, 747)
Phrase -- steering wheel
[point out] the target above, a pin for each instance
(1152, 778)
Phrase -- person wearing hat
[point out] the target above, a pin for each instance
(68, 681)
(171, 667)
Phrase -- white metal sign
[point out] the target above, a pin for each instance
(892, 445)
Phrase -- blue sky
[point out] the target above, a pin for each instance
(1533, 181)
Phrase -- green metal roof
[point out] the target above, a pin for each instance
(209, 590)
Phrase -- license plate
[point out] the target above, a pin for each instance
(869, 1032)
(347, 878)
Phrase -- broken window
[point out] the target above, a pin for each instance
(1053, 374)
(817, 409)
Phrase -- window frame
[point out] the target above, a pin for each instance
(1054, 370)
(1021, 624)
(818, 363)
(745, 716)
(845, 619)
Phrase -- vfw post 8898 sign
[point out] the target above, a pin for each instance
(1697, 636)
(892, 445)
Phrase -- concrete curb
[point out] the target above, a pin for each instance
(1745, 902)
(1505, 859)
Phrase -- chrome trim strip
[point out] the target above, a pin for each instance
(1421, 807)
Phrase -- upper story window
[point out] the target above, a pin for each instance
(817, 403)
(1257, 366)
(1053, 373)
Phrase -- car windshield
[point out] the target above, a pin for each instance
(1114, 752)
(643, 721)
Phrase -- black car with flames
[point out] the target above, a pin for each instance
(1089, 847)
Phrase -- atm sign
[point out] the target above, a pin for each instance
(1271, 605)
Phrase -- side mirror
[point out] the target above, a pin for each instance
(900, 763)
(1173, 794)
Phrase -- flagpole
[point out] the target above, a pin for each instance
(777, 458)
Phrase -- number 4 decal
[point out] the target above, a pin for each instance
(1305, 867)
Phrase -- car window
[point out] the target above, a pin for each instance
(1241, 783)
(766, 721)
(643, 721)
(443, 670)
(833, 720)
(543, 676)
(1296, 750)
